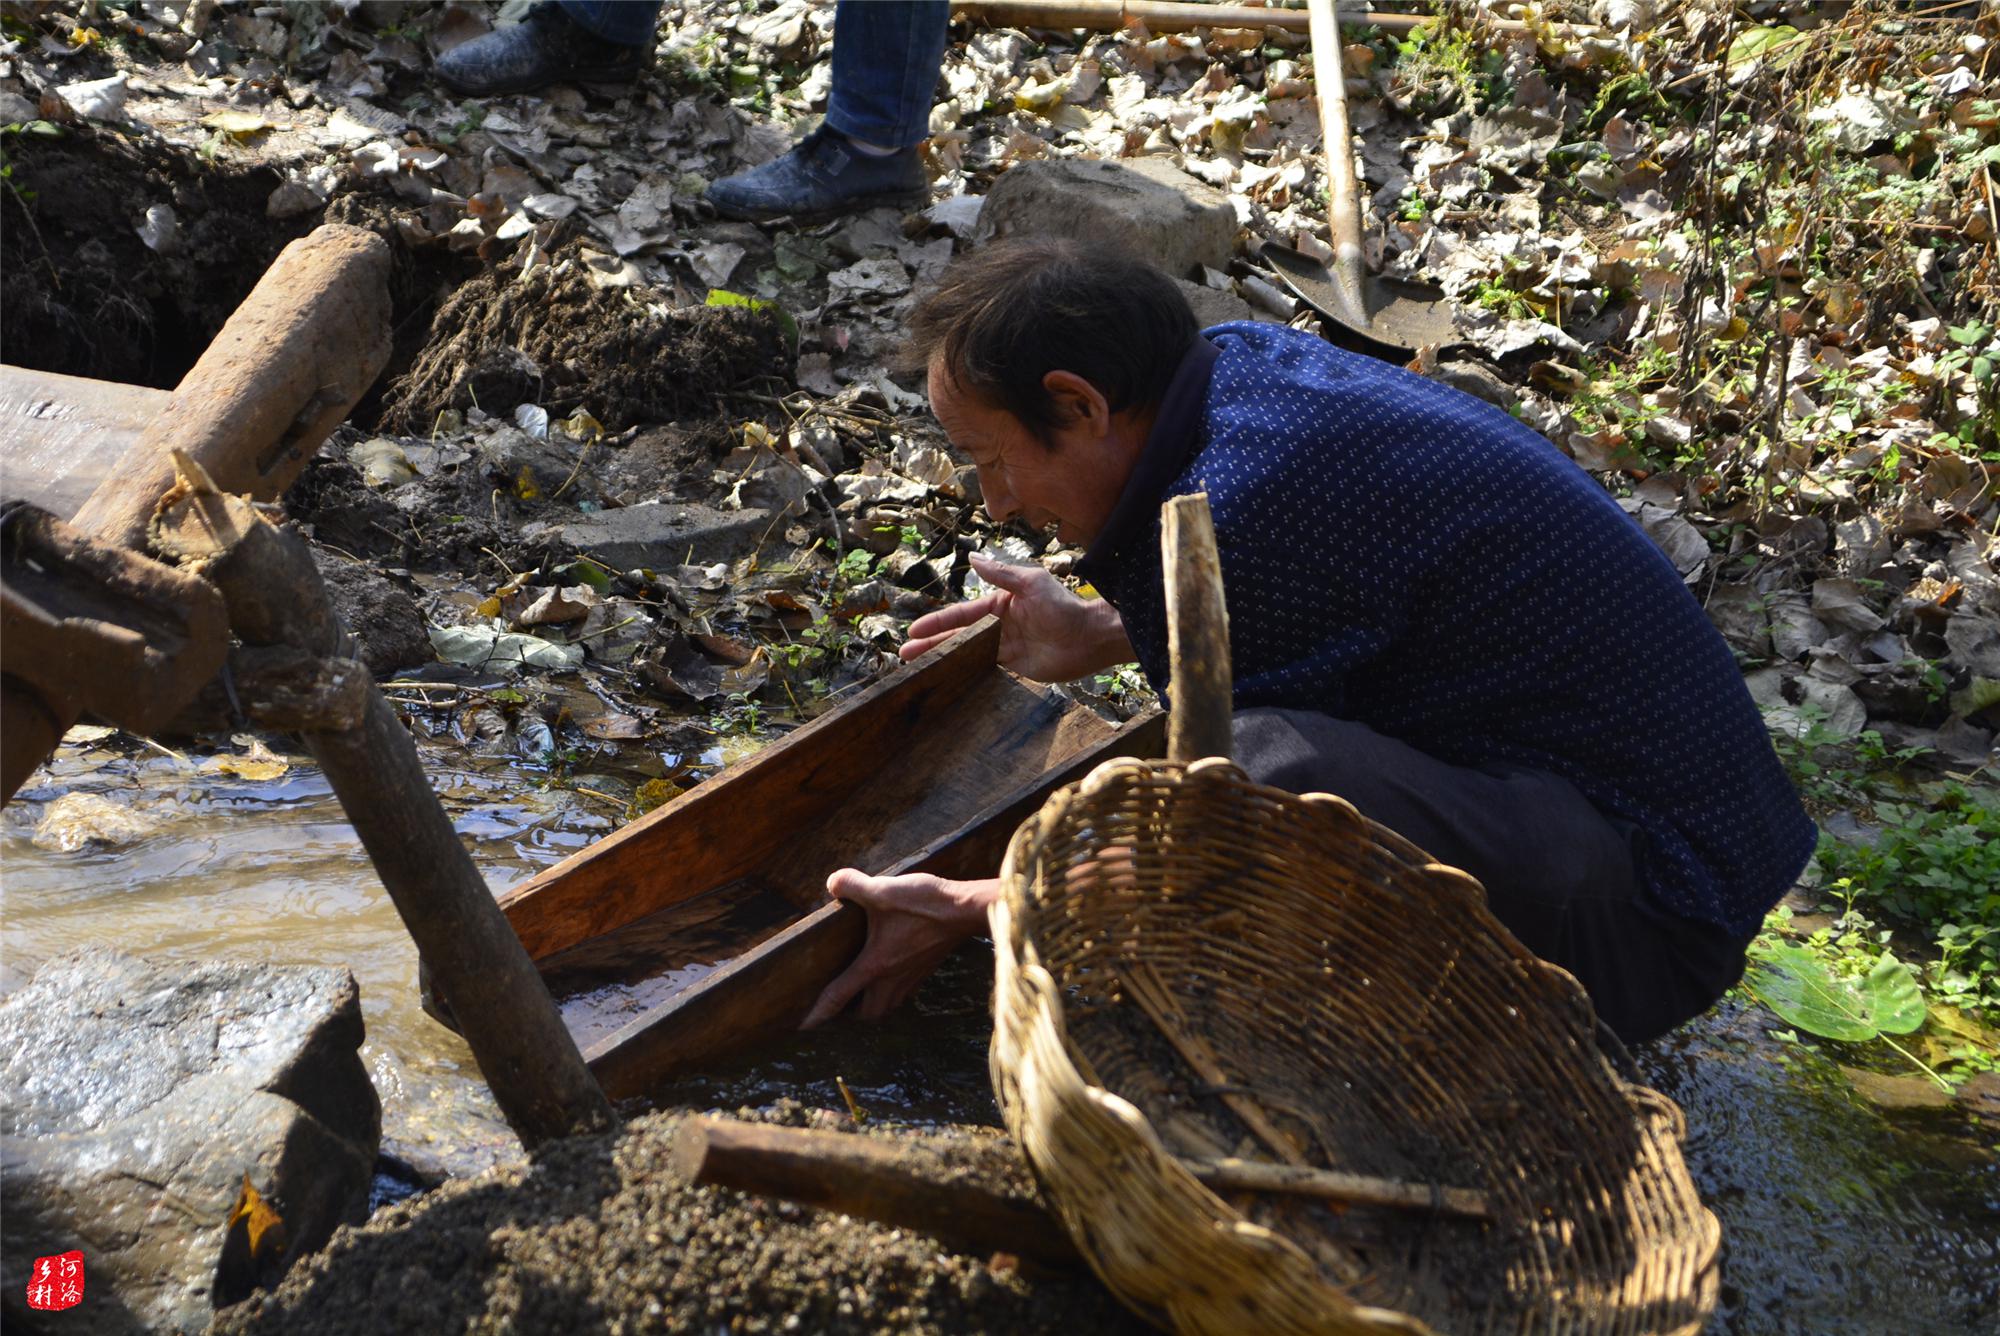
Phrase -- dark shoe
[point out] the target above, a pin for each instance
(822, 174)
(543, 48)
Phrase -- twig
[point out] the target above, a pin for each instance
(1150, 993)
(497, 557)
(602, 630)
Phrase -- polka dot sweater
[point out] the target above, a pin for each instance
(1400, 554)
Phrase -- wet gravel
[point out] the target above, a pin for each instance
(600, 1234)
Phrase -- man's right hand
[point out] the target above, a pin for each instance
(1046, 632)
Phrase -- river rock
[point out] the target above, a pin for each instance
(140, 1094)
(661, 535)
(1145, 207)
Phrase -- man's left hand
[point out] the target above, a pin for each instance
(914, 921)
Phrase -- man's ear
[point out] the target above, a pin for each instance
(1078, 403)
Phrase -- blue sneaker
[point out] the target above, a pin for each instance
(823, 173)
(543, 48)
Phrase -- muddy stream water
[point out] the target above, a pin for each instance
(1837, 1216)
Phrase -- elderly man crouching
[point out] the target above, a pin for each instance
(1433, 613)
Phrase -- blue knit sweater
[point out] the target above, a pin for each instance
(1403, 555)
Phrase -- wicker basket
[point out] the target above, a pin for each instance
(1193, 967)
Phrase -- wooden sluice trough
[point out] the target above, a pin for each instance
(705, 927)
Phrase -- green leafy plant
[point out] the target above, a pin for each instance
(1935, 867)
(1841, 983)
(1805, 991)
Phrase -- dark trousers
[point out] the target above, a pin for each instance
(1558, 872)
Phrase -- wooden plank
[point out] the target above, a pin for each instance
(767, 991)
(61, 436)
(729, 826)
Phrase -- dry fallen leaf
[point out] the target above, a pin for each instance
(241, 126)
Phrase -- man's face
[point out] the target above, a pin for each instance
(1072, 484)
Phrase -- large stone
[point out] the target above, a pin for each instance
(1145, 207)
(663, 535)
(140, 1094)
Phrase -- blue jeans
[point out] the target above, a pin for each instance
(885, 59)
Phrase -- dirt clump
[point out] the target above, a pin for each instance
(388, 629)
(463, 516)
(420, 278)
(601, 1234)
(554, 338)
(82, 293)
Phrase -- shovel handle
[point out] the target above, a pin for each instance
(1198, 693)
(1343, 210)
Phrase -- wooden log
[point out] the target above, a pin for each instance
(275, 597)
(1166, 16)
(31, 728)
(1199, 717)
(867, 1177)
(288, 365)
(84, 626)
(64, 435)
(280, 690)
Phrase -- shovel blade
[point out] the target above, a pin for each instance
(1390, 318)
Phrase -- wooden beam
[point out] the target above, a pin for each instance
(292, 360)
(286, 367)
(1167, 16)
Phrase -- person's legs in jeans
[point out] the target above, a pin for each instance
(589, 41)
(1558, 873)
(626, 22)
(885, 69)
(886, 55)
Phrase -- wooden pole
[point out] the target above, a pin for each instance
(275, 597)
(1164, 16)
(1199, 715)
(1343, 212)
(872, 1178)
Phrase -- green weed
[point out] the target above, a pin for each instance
(1440, 66)
(1936, 868)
